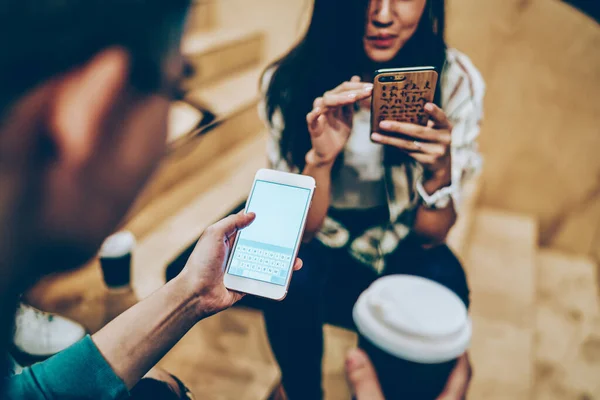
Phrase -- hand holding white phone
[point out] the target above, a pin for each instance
(264, 254)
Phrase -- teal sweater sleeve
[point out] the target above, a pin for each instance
(79, 372)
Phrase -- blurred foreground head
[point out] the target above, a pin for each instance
(84, 95)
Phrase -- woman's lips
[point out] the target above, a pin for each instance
(382, 41)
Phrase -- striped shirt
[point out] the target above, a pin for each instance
(462, 89)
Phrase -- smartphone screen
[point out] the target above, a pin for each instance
(264, 251)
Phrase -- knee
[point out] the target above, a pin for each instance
(307, 284)
(302, 301)
(159, 384)
(442, 265)
(362, 376)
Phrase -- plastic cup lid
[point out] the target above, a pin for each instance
(118, 245)
(413, 318)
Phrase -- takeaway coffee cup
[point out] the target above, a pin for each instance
(413, 330)
(115, 259)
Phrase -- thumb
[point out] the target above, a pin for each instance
(320, 126)
(459, 380)
(230, 225)
(362, 376)
(317, 124)
(236, 296)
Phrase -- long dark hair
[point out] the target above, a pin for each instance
(332, 52)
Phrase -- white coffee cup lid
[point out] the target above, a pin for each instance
(117, 245)
(413, 318)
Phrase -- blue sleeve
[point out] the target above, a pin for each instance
(79, 372)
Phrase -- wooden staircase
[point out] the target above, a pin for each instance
(226, 67)
(207, 171)
(567, 330)
(535, 315)
(535, 311)
(500, 267)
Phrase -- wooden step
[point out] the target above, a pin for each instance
(183, 119)
(501, 266)
(166, 204)
(201, 16)
(460, 235)
(216, 54)
(338, 342)
(238, 90)
(199, 151)
(501, 358)
(239, 333)
(189, 207)
(215, 358)
(567, 339)
(568, 283)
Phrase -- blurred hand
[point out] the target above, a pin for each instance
(206, 266)
(459, 381)
(330, 121)
(364, 383)
(362, 376)
(429, 145)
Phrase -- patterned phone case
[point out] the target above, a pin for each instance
(402, 96)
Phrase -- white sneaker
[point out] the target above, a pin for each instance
(41, 334)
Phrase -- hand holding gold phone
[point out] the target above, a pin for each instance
(400, 94)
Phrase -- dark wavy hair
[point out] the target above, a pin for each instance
(331, 52)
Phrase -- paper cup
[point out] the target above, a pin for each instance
(413, 330)
(115, 259)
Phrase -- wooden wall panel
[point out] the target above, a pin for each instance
(281, 20)
(541, 134)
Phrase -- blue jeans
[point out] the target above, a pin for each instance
(325, 291)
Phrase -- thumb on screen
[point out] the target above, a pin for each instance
(232, 224)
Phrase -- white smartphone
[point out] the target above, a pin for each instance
(264, 253)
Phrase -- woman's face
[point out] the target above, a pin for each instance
(390, 24)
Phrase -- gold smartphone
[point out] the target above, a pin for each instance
(400, 94)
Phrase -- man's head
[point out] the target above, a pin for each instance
(84, 97)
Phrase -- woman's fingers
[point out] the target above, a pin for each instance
(417, 132)
(347, 97)
(333, 105)
(318, 103)
(459, 380)
(345, 94)
(316, 121)
(353, 84)
(362, 376)
(425, 159)
(298, 264)
(410, 146)
(311, 119)
(438, 116)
